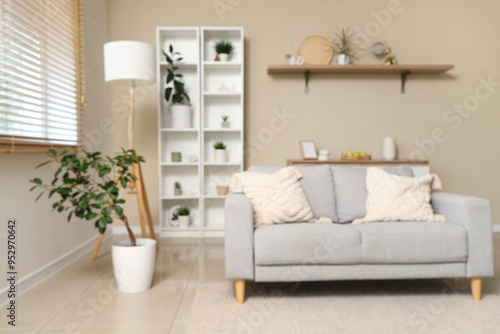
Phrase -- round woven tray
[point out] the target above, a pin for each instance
(316, 50)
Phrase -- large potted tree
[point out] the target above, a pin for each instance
(86, 185)
(176, 90)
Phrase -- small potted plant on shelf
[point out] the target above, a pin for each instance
(177, 189)
(345, 46)
(86, 185)
(182, 215)
(176, 90)
(224, 123)
(220, 152)
(223, 49)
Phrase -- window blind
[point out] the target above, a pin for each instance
(41, 74)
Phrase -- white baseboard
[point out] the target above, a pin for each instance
(121, 230)
(496, 228)
(51, 268)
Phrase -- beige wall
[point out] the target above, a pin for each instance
(44, 236)
(346, 112)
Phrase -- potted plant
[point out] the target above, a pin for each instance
(345, 46)
(223, 49)
(182, 215)
(222, 190)
(220, 152)
(224, 123)
(181, 107)
(177, 189)
(87, 186)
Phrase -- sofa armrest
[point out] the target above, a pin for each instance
(473, 214)
(239, 237)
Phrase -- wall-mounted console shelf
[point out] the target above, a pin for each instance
(403, 70)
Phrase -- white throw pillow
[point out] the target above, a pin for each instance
(276, 198)
(396, 198)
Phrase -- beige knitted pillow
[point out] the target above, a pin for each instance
(276, 198)
(396, 198)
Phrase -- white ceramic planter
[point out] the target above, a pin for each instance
(134, 266)
(389, 149)
(181, 116)
(223, 56)
(183, 221)
(224, 125)
(343, 59)
(220, 155)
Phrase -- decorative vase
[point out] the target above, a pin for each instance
(183, 221)
(176, 156)
(343, 59)
(224, 125)
(323, 155)
(223, 57)
(134, 266)
(181, 116)
(220, 155)
(222, 190)
(389, 149)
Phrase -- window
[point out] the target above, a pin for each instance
(41, 74)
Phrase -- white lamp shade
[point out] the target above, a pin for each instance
(129, 63)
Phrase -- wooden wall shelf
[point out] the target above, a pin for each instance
(375, 162)
(403, 70)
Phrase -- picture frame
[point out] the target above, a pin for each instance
(308, 149)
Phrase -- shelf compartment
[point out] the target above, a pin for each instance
(193, 204)
(210, 36)
(184, 40)
(217, 175)
(187, 176)
(215, 106)
(213, 214)
(232, 140)
(222, 80)
(184, 142)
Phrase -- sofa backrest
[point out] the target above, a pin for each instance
(337, 192)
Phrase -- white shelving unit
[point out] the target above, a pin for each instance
(215, 89)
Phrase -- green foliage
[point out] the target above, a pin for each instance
(345, 43)
(225, 118)
(224, 46)
(177, 185)
(181, 211)
(178, 89)
(87, 185)
(219, 146)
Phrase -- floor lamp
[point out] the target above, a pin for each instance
(133, 64)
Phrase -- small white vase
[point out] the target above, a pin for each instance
(323, 155)
(220, 155)
(183, 221)
(343, 59)
(389, 148)
(134, 266)
(224, 125)
(181, 116)
(223, 56)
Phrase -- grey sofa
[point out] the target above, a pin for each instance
(460, 247)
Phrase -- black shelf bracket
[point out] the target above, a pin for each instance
(307, 81)
(404, 75)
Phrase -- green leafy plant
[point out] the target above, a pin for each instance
(178, 91)
(177, 185)
(225, 118)
(224, 46)
(87, 185)
(181, 211)
(345, 43)
(219, 146)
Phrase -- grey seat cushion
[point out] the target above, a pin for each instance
(350, 189)
(307, 243)
(412, 242)
(317, 183)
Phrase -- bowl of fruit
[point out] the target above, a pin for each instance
(356, 156)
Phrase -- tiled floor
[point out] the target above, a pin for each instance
(82, 297)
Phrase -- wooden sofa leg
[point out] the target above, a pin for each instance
(475, 284)
(239, 286)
